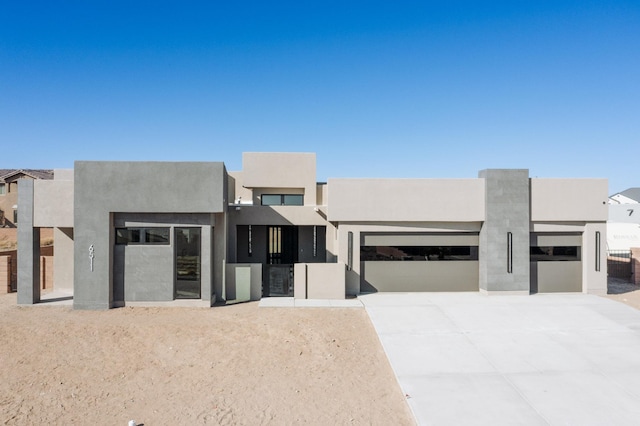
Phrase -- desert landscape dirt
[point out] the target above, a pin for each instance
(237, 364)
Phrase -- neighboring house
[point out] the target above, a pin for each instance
(129, 232)
(628, 196)
(623, 226)
(9, 192)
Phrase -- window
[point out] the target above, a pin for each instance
(282, 199)
(3, 189)
(15, 217)
(150, 236)
(555, 253)
(412, 253)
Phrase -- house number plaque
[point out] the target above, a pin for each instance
(91, 257)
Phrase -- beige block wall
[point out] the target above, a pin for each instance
(569, 200)
(635, 266)
(401, 200)
(5, 274)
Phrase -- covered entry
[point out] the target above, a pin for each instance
(278, 248)
(411, 262)
(161, 257)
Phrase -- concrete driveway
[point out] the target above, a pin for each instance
(469, 359)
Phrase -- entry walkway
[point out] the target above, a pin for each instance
(290, 302)
(470, 359)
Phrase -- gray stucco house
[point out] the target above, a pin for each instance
(128, 232)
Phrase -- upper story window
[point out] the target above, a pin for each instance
(282, 199)
(3, 189)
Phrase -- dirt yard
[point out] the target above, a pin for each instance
(175, 366)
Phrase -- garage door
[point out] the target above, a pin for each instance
(556, 262)
(419, 262)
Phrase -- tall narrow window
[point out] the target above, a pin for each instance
(274, 245)
(509, 253)
(249, 245)
(598, 251)
(350, 251)
(315, 241)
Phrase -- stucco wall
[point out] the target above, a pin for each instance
(569, 199)
(281, 170)
(504, 237)
(594, 273)
(102, 188)
(28, 247)
(63, 259)
(413, 200)
(53, 203)
(275, 215)
(319, 281)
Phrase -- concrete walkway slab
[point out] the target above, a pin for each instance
(467, 358)
(290, 302)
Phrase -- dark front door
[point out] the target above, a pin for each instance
(282, 253)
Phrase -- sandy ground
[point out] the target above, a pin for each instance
(228, 365)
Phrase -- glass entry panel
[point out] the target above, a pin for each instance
(187, 243)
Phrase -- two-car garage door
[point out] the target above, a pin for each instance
(419, 262)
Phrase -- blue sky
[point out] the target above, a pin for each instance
(376, 89)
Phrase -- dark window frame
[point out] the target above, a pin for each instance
(139, 236)
(555, 253)
(285, 200)
(418, 253)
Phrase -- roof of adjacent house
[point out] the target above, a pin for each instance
(632, 193)
(34, 173)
